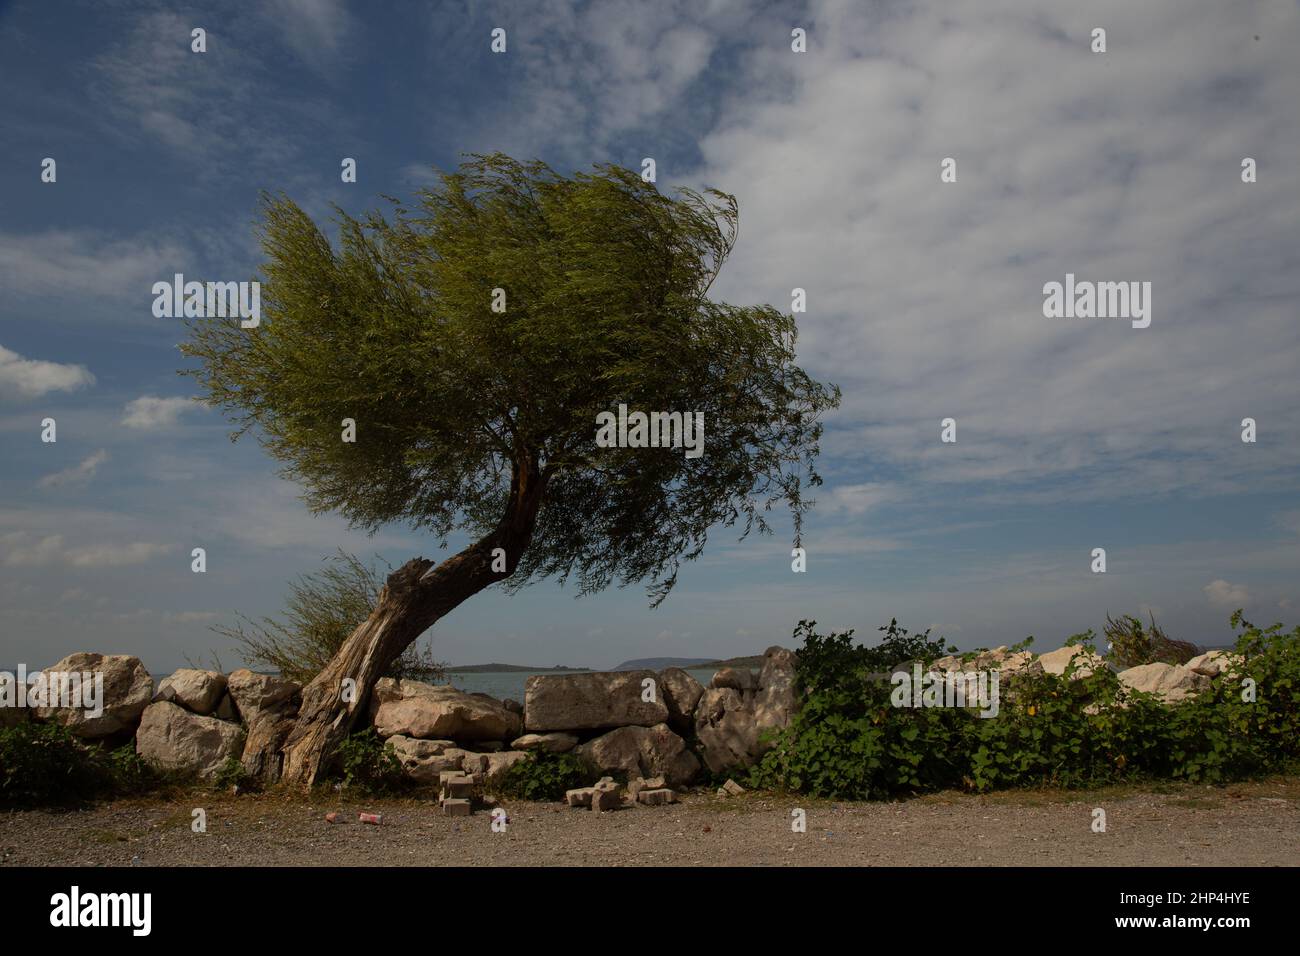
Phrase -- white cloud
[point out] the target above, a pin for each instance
(149, 411)
(856, 499)
(1223, 594)
(59, 263)
(925, 298)
(315, 29)
(22, 550)
(78, 474)
(32, 378)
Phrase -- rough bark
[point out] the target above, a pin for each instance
(416, 595)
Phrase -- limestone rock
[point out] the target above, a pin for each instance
(172, 738)
(731, 725)
(254, 693)
(656, 798)
(500, 762)
(737, 678)
(644, 752)
(557, 743)
(580, 797)
(1170, 682)
(457, 807)
(196, 690)
(415, 709)
(127, 691)
(637, 784)
(681, 692)
(1055, 662)
(1214, 663)
(591, 701)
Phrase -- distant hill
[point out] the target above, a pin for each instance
(754, 662)
(508, 668)
(690, 663)
(659, 663)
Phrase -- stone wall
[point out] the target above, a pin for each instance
(660, 730)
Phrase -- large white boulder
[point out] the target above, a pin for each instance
(1055, 662)
(643, 752)
(196, 690)
(171, 738)
(591, 701)
(733, 726)
(1170, 682)
(127, 691)
(439, 711)
(681, 692)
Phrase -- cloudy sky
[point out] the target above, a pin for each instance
(925, 299)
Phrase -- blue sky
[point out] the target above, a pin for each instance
(924, 299)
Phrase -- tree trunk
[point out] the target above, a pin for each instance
(417, 594)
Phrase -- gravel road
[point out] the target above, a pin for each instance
(1254, 824)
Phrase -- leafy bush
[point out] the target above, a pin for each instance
(849, 741)
(44, 764)
(323, 610)
(543, 776)
(231, 774)
(1132, 645)
(370, 765)
(835, 661)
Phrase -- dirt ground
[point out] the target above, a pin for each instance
(1253, 824)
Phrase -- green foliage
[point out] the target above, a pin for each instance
(130, 774)
(848, 741)
(369, 765)
(323, 609)
(542, 776)
(231, 774)
(1131, 644)
(835, 661)
(44, 764)
(606, 283)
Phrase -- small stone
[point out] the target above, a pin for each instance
(732, 788)
(580, 797)
(656, 798)
(456, 808)
(457, 787)
(603, 800)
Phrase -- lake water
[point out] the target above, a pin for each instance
(503, 684)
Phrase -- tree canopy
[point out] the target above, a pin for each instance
(605, 284)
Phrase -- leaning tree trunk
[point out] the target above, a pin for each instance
(417, 594)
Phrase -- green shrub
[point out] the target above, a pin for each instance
(131, 775)
(848, 741)
(370, 765)
(232, 774)
(542, 776)
(44, 764)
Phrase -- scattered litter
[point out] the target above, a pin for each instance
(332, 818)
(376, 818)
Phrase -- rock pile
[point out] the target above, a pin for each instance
(658, 731)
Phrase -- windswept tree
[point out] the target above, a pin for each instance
(473, 340)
